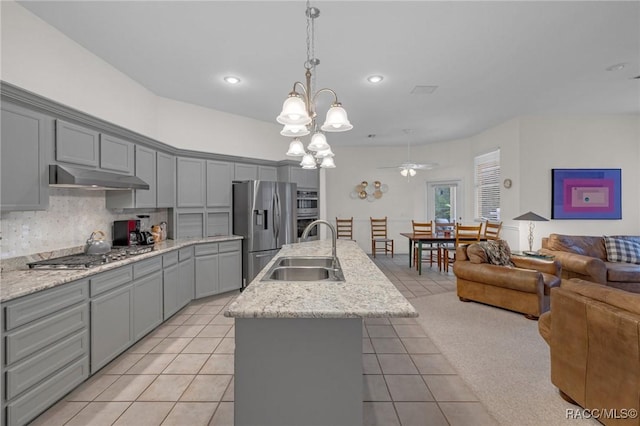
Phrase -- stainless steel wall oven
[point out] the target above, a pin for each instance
(307, 212)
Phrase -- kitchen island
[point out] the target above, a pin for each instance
(298, 356)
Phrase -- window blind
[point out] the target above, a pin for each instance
(487, 186)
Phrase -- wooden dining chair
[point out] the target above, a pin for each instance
(379, 235)
(465, 234)
(492, 230)
(423, 229)
(344, 228)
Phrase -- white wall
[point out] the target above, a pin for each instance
(39, 58)
(530, 147)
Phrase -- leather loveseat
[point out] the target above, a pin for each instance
(523, 288)
(593, 332)
(585, 257)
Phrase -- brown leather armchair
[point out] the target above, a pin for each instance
(523, 288)
(593, 332)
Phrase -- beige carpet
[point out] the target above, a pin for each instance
(500, 355)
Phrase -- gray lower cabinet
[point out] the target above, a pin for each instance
(207, 283)
(46, 349)
(186, 276)
(170, 282)
(27, 137)
(147, 304)
(218, 267)
(230, 265)
(111, 325)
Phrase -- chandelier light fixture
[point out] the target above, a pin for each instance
(299, 111)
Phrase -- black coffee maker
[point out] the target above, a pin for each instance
(127, 233)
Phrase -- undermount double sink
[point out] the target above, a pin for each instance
(305, 268)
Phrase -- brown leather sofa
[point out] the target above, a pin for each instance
(524, 288)
(593, 332)
(585, 257)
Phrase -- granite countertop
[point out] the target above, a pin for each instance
(366, 291)
(25, 281)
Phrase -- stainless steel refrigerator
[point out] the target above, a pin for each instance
(265, 214)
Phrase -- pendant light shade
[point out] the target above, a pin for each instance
(337, 120)
(296, 148)
(294, 130)
(328, 163)
(294, 111)
(318, 142)
(404, 172)
(308, 162)
(325, 153)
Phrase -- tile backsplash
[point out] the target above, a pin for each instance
(69, 220)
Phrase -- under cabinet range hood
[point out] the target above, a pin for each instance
(76, 177)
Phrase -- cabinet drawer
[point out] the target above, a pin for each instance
(146, 267)
(34, 402)
(35, 336)
(204, 249)
(32, 307)
(170, 259)
(22, 376)
(228, 246)
(112, 279)
(185, 253)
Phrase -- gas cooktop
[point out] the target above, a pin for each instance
(87, 261)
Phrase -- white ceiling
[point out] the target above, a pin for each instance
(491, 61)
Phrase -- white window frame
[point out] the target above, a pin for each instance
(486, 178)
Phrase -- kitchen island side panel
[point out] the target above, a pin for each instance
(298, 371)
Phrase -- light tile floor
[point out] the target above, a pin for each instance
(182, 373)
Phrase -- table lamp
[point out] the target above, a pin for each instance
(531, 217)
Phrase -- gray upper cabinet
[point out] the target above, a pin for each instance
(116, 155)
(219, 181)
(306, 179)
(26, 137)
(76, 144)
(191, 182)
(268, 173)
(245, 172)
(146, 170)
(165, 180)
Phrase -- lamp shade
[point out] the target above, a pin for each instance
(412, 172)
(404, 172)
(296, 148)
(531, 217)
(318, 142)
(294, 130)
(308, 162)
(325, 153)
(336, 120)
(328, 163)
(294, 111)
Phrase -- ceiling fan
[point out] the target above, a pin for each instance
(408, 169)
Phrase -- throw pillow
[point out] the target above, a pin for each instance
(498, 252)
(477, 254)
(619, 250)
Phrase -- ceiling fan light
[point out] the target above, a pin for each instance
(328, 163)
(336, 120)
(293, 130)
(412, 172)
(318, 142)
(294, 111)
(404, 172)
(308, 162)
(296, 148)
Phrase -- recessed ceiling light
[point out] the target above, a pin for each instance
(231, 79)
(617, 67)
(375, 79)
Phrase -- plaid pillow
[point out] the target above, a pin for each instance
(619, 250)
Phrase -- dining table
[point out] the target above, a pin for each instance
(418, 239)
